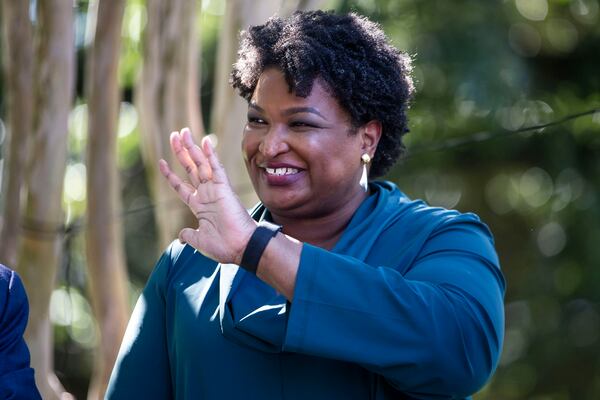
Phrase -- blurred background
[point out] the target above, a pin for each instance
(505, 123)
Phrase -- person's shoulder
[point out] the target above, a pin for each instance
(425, 229)
(178, 252)
(13, 299)
(396, 201)
(6, 276)
(421, 216)
(10, 285)
(181, 260)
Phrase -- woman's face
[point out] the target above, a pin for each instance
(300, 153)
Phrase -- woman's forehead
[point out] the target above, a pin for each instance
(273, 88)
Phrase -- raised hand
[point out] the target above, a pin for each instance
(224, 226)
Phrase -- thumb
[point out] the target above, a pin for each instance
(188, 235)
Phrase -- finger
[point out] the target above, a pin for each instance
(186, 235)
(184, 158)
(175, 141)
(213, 160)
(183, 189)
(197, 156)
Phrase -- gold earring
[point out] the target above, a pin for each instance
(364, 179)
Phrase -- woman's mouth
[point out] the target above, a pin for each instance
(281, 176)
(281, 171)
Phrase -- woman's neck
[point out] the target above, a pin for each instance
(322, 231)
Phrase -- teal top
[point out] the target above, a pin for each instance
(408, 304)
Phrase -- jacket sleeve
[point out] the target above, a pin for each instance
(16, 376)
(433, 331)
(142, 370)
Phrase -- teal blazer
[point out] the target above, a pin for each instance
(408, 304)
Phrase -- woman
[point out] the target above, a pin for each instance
(347, 289)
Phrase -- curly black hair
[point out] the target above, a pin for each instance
(369, 77)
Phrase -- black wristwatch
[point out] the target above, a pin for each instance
(263, 233)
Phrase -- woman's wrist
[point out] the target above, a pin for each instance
(279, 264)
(247, 232)
(256, 245)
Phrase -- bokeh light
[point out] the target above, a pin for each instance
(585, 11)
(69, 309)
(78, 127)
(561, 34)
(442, 190)
(75, 182)
(551, 239)
(135, 15)
(536, 187)
(128, 119)
(534, 10)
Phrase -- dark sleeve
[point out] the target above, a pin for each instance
(142, 368)
(434, 332)
(16, 376)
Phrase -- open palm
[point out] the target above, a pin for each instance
(224, 226)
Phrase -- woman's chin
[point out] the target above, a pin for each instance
(281, 201)
(281, 191)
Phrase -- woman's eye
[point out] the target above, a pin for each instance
(301, 124)
(256, 121)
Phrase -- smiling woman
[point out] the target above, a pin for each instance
(303, 155)
(332, 286)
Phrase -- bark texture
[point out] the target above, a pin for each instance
(167, 98)
(18, 59)
(107, 274)
(40, 250)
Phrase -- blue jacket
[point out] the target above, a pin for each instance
(16, 377)
(408, 304)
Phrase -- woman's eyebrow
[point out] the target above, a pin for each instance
(256, 107)
(296, 110)
(289, 111)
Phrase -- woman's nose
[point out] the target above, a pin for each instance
(273, 142)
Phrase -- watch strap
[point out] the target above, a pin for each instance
(259, 240)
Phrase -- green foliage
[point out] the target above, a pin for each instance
(134, 21)
(497, 67)
(209, 23)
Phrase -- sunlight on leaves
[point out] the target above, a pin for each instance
(68, 308)
(534, 10)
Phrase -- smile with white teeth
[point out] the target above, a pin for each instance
(281, 171)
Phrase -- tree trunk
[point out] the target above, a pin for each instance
(40, 249)
(107, 278)
(18, 68)
(167, 96)
(229, 110)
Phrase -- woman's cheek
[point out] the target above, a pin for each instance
(249, 144)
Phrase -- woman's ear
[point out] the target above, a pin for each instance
(370, 135)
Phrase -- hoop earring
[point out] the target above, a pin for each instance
(364, 179)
